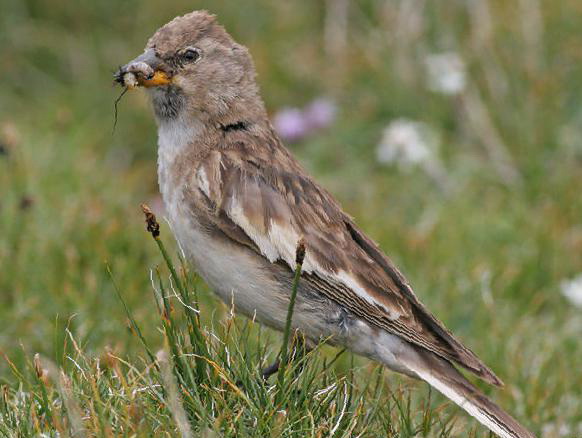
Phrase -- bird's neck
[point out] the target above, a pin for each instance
(184, 128)
(247, 108)
(190, 134)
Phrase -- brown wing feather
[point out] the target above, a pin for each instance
(261, 197)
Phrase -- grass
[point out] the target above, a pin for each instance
(487, 256)
(204, 381)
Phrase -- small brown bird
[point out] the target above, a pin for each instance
(238, 203)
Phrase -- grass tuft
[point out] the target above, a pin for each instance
(205, 381)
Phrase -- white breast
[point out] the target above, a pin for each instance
(174, 136)
(230, 271)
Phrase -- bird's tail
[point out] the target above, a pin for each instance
(446, 379)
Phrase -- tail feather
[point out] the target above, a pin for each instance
(446, 379)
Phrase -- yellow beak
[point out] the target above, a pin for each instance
(159, 78)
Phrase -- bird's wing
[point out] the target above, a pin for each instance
(266, 202)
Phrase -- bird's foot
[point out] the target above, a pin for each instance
(270, 370)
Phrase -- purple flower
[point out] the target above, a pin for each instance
(320, 113)
(294, 124)
(290, 124)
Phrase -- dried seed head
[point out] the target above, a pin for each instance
(300, 252)
(135, 413)
(41, 373)
(167, 312)
(108, 359)
(152, 224)
(37, 365)
(26, 202)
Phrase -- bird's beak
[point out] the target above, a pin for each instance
(147, 70)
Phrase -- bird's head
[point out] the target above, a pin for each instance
(192, 66)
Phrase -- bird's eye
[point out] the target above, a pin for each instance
(191, 54)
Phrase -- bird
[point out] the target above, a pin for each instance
(239, 203)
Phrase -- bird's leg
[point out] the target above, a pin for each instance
(269, 370)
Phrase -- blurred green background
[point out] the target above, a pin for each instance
(488, 229)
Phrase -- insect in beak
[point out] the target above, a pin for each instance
(146, 70)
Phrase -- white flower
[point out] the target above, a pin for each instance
(407, 143)
(446, 73)
(556, 430)
(572, 290)
(570, 135)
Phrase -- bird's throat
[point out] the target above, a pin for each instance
(175, 137)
